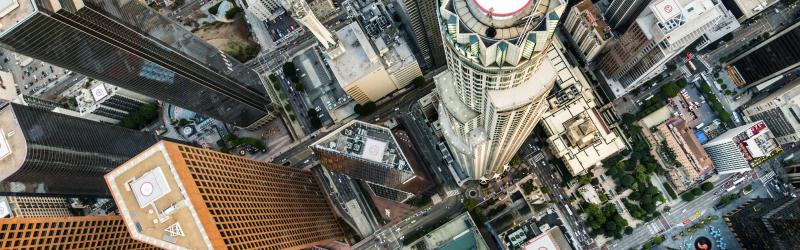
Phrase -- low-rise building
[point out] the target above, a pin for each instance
(685, 150)
(746, 9)
(459, 233)
(589, 194)
(577, 133)
(743, 148)
(780, 111)
(553, 239)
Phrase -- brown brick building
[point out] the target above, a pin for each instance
(73, 232)
(180, 197)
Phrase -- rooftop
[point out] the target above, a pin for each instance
(8, 88)
(591, 14)
(358, 59)
(502, 8)
(366, 141)
(13, 12)
(552, 239)
(154, 202)
(458, 233)
(526, 92)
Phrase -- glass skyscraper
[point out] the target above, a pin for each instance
(129, 45)
(46, 152)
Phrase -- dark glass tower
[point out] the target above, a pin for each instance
(60, 154)
(131, 46)
(766, 224)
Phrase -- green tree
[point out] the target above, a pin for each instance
(670, 90)
(231, 13)
(313, 117)
(627, 181)
(688, 196)
(515, 161)
(697, 192)
(707, 186)
(628, 230)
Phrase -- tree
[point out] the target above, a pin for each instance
(671, 67)
(516, 160)
(707, 186)
(697, 192)
(688, 196)
(313, 117)
(628, 230)
(584, 179)
(670, 90)
(627, 181)
(231, 13)
(419, 82)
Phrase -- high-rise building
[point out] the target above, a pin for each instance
(421, 17)
(576, 132)
(746, 9)
(36, 206)
(72, 232)
(780, 111)
(498, 77)
(587, 29)
(742, 148)
(620, 14)
(179, 197)
(266, 10)
(766, 224)
(371, 66)
(371, 153)
(665, 29)
(129, 45)
(772, 58)
(60, 154)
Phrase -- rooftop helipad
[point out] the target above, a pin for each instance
(502, 8)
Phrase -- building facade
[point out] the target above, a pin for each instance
(38, 206)
(179, 197)
(742, 148)
(371, 153)
(65, 154)
(498, 77)
(780, 111)
(421, 17)
(265, 10)
(129, 45)
(587, 29)
(770, 59)
(657, 36)
(766, 223)
(620, 14)
(73, 232)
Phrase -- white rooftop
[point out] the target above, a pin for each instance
(449, 97)
(374, 150)
(359, 57)
(5, 149)
(150, 187)
(526, 92)
(502, 8)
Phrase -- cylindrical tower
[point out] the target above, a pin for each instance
(493, 91)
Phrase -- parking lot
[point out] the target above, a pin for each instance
(31, 76)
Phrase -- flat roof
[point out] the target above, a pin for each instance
(526, 92)
(552, 239)
(154, 202)
(14, 11)
(366, 141)
(358, 59)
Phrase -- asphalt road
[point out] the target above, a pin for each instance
(391, 236)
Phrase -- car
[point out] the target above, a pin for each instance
(396, 109)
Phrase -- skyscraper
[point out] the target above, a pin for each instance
(70, 232)
(497, 80)
(371, 153)
(780, 111)
(742, 148)
(621, 13)
(64, 154)
(769, 59)
(766, 224)
(37, 206)
(587, 29)
(179, 197)
(662, 31)
(421, 17)
(129, 45)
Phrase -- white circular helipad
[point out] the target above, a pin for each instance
(146, 189)
(502, 8)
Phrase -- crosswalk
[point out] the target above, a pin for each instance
(453, 192)
(767, 177)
